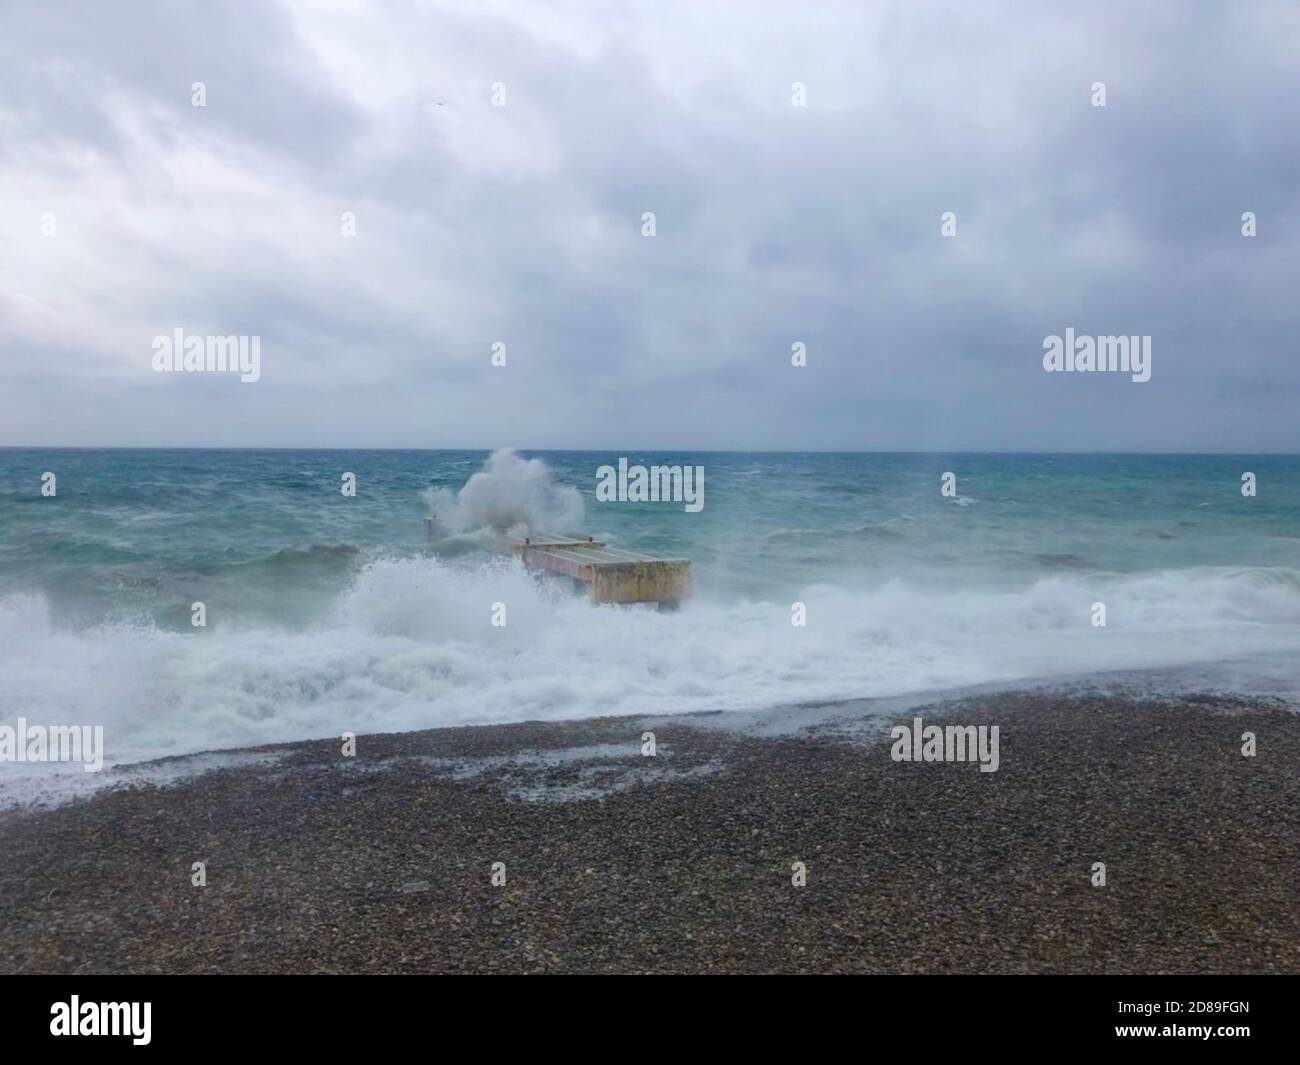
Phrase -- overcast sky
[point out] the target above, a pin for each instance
(775, 223)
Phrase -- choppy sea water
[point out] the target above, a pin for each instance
(328, 613)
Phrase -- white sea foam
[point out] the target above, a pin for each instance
(410, 645)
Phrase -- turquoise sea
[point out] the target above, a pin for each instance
(328, 613)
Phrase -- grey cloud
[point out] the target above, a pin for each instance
(775, 224)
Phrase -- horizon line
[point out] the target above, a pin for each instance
(661, 448)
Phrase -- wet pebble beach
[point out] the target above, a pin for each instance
(618, 862)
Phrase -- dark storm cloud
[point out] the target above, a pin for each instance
(776, 224)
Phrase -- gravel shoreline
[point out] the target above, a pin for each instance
(617, 862)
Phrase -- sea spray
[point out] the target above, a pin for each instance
(510, 494)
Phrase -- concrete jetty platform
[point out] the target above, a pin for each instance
(608, 574)
(603, 573)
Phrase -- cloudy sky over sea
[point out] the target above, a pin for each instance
(126, 213)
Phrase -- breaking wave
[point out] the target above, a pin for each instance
(510, 494)
(410, 644)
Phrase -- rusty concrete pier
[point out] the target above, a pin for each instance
(603, 573)
(607, 574)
